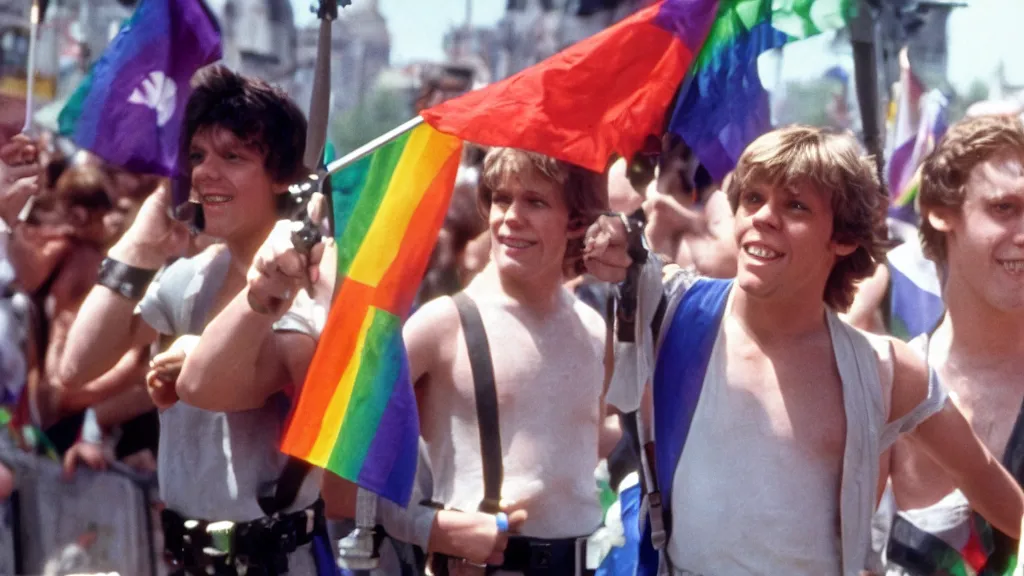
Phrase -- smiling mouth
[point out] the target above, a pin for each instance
(1013, 266)
(515, 243)
(761, 252)
(212, 199)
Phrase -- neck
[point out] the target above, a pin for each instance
(769, 319)
(538, 293)
(973, 328)
(243, 250)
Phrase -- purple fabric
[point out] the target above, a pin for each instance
(722, 106)
(689, 20)
(390, 465)
(132, 115)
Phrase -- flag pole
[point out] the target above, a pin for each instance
(371, 146)
(30, 69)
(33, 35)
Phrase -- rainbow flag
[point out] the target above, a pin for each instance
(910, 157)
(356, 415)
(606, 94)
(722, 106)
(915, 302)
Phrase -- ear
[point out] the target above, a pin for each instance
(79, 216)
(941, 219)
(844, 250)
(577, 228)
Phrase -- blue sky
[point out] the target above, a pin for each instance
(417, 27)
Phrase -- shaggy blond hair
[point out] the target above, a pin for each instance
(809, 157)
(584, 192)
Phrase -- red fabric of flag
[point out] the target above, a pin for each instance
(600, 96)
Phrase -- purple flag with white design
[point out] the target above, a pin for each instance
(129, 109)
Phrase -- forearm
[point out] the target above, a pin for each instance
(994, 494)
(128, 371)
(948, 438)
(414, 524)
(226, 366)
(129, 404)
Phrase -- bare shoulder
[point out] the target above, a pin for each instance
(910, 378)
(592, 320)
(430, 335)
(438, 315)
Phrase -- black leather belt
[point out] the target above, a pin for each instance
(540, 557)
(262, 546)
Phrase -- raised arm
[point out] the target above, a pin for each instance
(241, 359)
(106, 326)
(948, 438)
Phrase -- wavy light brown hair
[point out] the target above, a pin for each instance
(584, 192)
(945, 172)
(825, 161)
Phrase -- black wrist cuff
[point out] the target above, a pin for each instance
(128, 281)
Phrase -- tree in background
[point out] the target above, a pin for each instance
(380, 111)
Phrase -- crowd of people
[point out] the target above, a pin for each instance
(720, 344)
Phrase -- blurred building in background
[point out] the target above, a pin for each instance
(360, 52)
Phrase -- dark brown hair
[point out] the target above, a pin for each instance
(257, 113)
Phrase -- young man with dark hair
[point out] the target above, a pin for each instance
(232, 498)
(972, 226)
(771, 415)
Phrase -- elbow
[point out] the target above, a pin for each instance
(214, 391)
(190, 386)
(70, 372)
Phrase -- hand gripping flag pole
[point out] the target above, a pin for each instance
(355, 551)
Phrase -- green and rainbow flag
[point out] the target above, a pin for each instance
(356, 415)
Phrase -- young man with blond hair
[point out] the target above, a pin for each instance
(972, 226)
(544, 351)
(770, 414)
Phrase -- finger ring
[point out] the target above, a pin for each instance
(257, 306)
(502, 520)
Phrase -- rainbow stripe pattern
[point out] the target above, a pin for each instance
(356, 415)
(722, 106)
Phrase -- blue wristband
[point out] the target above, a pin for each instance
(502, 519)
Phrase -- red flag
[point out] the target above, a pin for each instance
(602, 95)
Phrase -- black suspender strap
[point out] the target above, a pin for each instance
(286, 489)
(486, 401)
(1013, 455)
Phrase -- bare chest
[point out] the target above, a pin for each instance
(548, 373)
(990, 399)
(794, 387)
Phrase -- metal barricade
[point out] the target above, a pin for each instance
(100, 522)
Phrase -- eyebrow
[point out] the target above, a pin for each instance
(1017, 192)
